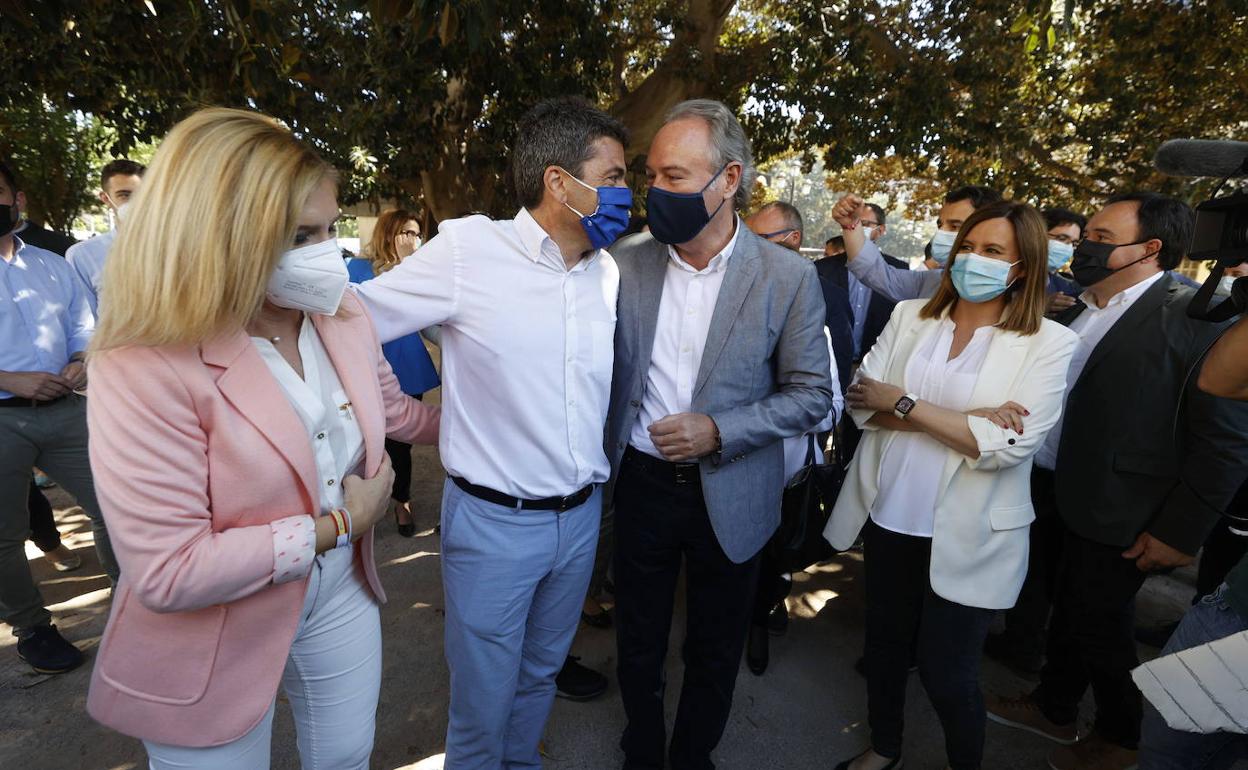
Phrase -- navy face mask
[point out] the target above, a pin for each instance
(679, 217)
(610, 218)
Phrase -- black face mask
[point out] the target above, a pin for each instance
(1090, 264)
(9, 217)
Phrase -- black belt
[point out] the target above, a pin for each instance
(29, 402)
(558, 504)
(676, 473)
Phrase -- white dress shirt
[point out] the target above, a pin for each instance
(912, 466)
(1092, 325)
(685, 310)
(87, 259)
(321, 403)
(528, 349)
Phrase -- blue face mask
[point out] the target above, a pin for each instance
(610, 218)
(978, 278)
(941, 244)
(679, 217)
(1059, 254)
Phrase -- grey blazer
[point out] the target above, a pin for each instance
(763, 377)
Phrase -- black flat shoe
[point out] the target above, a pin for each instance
(577, 682)
(597, 619)
(894, 765)
(48, 652)
(778, 619)
(406, 530)
(757, 650)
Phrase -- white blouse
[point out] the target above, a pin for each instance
(911, 468)
(321, 403)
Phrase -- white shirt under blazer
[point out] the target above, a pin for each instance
(983, 506)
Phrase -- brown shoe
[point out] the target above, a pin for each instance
(1093, 753)
(1024, 713)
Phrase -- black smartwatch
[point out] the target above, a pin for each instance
(904, 405)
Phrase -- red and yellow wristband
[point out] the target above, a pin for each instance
(342, 523)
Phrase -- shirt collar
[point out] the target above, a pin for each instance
(18, 246)
(540, 247)
(719, 262)
(1126, 296)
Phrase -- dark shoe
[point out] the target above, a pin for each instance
(778, 620)
(757, 653)
(1002, 649)
(894, 765)
(408, 529)
(1156, 636)
(576, 682)
(48, 653)
(1024, 713)
(597, 620)
(1093, 753)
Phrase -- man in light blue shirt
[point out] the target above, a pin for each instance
(45, 326)
(119, 181)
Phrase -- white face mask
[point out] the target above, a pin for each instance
(311, 278)
(868, 233)
(1224, 285)
(123, 211)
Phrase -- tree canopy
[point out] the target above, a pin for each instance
(1059, 102)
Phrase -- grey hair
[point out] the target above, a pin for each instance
(788, 213)
(728, 141)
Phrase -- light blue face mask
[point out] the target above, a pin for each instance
(941, 244)
(978, 278)
(1060, 253)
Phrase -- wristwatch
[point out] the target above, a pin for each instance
(904, 405)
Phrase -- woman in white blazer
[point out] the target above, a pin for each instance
(955, 398)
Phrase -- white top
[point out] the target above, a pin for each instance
(912, 466)
(1092, 325)
(87, 259)
(684, 321)
(528, 348)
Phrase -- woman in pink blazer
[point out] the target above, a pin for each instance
(239, 408)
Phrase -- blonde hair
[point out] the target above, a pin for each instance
(1025, 303)
(381, 250)
(219, 204)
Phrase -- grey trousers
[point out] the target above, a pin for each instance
(54, 438)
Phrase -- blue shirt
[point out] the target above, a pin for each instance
(407, 355)
(859, 302)
(87, 259)
(44, 314)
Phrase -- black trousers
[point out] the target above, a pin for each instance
(1027, 622)
(1091, 639)
(401, 461)
(658, 523)
(901, 605)
(43, 531)
(773, 587)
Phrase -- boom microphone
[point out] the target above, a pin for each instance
(1202, 157)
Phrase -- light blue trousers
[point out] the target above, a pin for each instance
(515, 582)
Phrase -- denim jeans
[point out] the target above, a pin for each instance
(1163, 748)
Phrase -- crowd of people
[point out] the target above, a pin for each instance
(236, 415)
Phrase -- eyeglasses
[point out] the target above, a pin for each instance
(410, 233)
(769, 236)
(868, 223)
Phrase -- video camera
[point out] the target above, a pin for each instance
(1221, 232)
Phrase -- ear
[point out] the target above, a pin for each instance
(104, 198)
(553, 181)
(732, 179)
(795, 238)
(1153, 247)
(20, 200)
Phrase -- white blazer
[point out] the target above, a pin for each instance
(983, 512)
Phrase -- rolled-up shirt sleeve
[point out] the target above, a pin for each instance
(81, 318)
(294, 548)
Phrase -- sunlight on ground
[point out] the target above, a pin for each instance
(409, 557)
(428, 763)
(811, 603)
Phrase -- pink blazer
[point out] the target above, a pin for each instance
(195, 450)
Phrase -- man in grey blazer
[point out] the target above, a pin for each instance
(719, 354)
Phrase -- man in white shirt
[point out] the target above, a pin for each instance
(527, 308)
(720, 354)
(119, 181)
(1131, 481)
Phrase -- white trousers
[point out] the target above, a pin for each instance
(332, 679)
